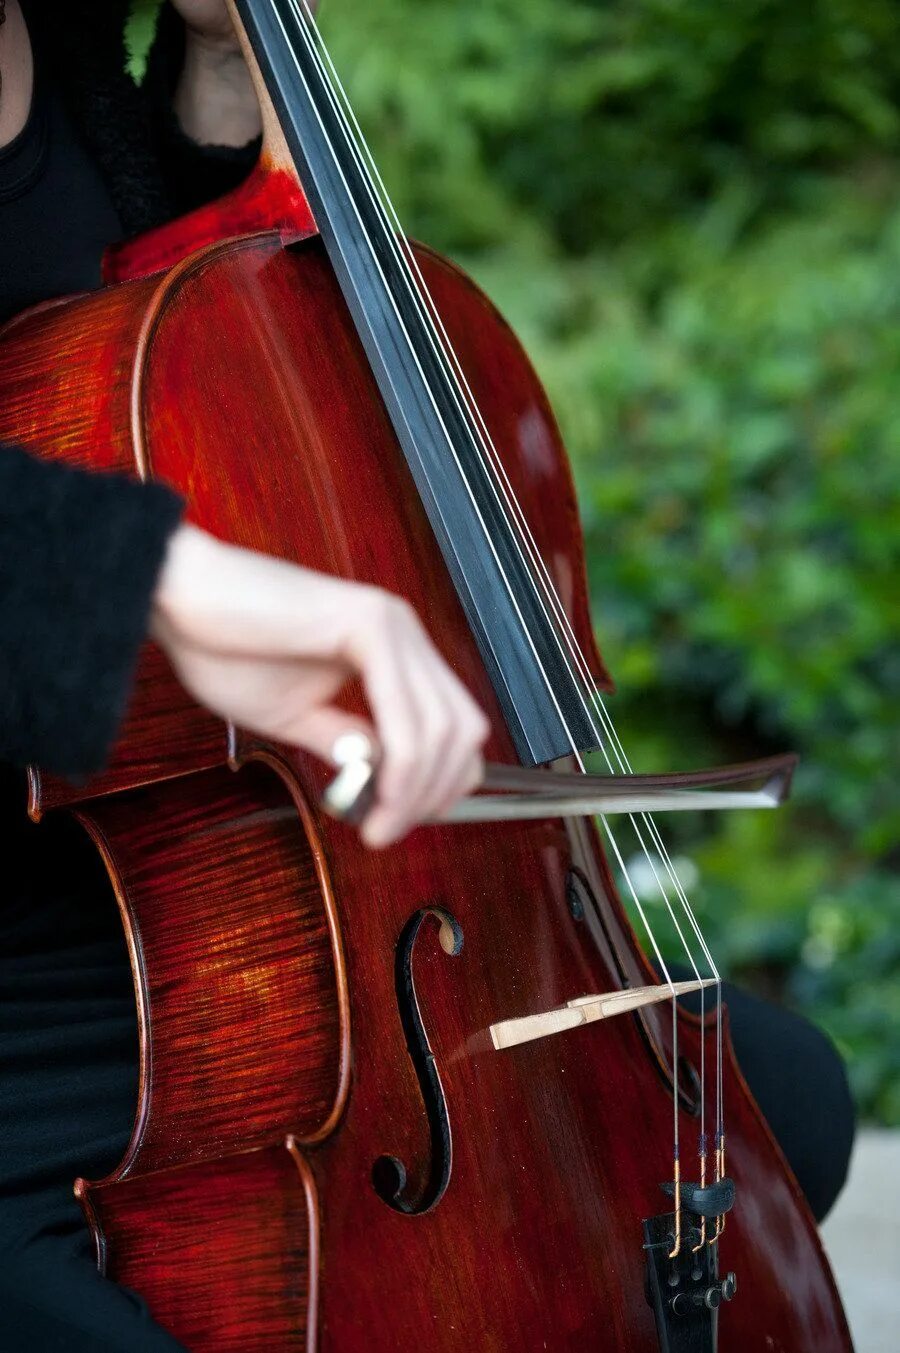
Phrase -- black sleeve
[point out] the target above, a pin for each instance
(79, 557)
(193, 174)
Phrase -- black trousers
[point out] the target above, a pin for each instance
(68, 1086)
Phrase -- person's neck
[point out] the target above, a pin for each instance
(16, 74)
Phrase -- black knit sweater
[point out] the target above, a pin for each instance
(80, 552)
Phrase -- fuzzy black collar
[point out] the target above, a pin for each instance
(85, 47)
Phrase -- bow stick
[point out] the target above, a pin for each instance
(515, 793)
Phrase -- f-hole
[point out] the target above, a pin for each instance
(389, 1175)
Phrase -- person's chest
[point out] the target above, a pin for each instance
(56, 213)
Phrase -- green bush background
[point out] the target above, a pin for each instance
(691, 213)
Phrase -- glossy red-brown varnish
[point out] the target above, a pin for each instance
(274, 1065)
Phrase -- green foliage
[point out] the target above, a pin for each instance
(139, 35)
(691, 213)
(598, 118)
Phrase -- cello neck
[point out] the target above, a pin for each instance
(542, 698)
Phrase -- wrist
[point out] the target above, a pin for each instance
(215, 100)
(188, 556)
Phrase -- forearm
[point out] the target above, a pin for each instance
(183, 91)
(215, 101)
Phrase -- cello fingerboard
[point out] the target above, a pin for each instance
(544, 704)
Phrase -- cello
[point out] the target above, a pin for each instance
(451, 1057)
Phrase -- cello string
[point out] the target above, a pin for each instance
(660, 845)
(651, 825)
(443, 350)
(425, 386)
(355, 151)
(362, 150)
(449, 354)
(381, 200)
(392, 243)
(442, 357)
(441, 354)
(403, 329)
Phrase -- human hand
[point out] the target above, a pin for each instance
(268, 645)
(210, 21)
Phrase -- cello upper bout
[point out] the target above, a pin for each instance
(255, 391)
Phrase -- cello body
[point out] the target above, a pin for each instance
(328, 1151)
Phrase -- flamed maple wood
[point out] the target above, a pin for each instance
(245, 1225)
(263, 935)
